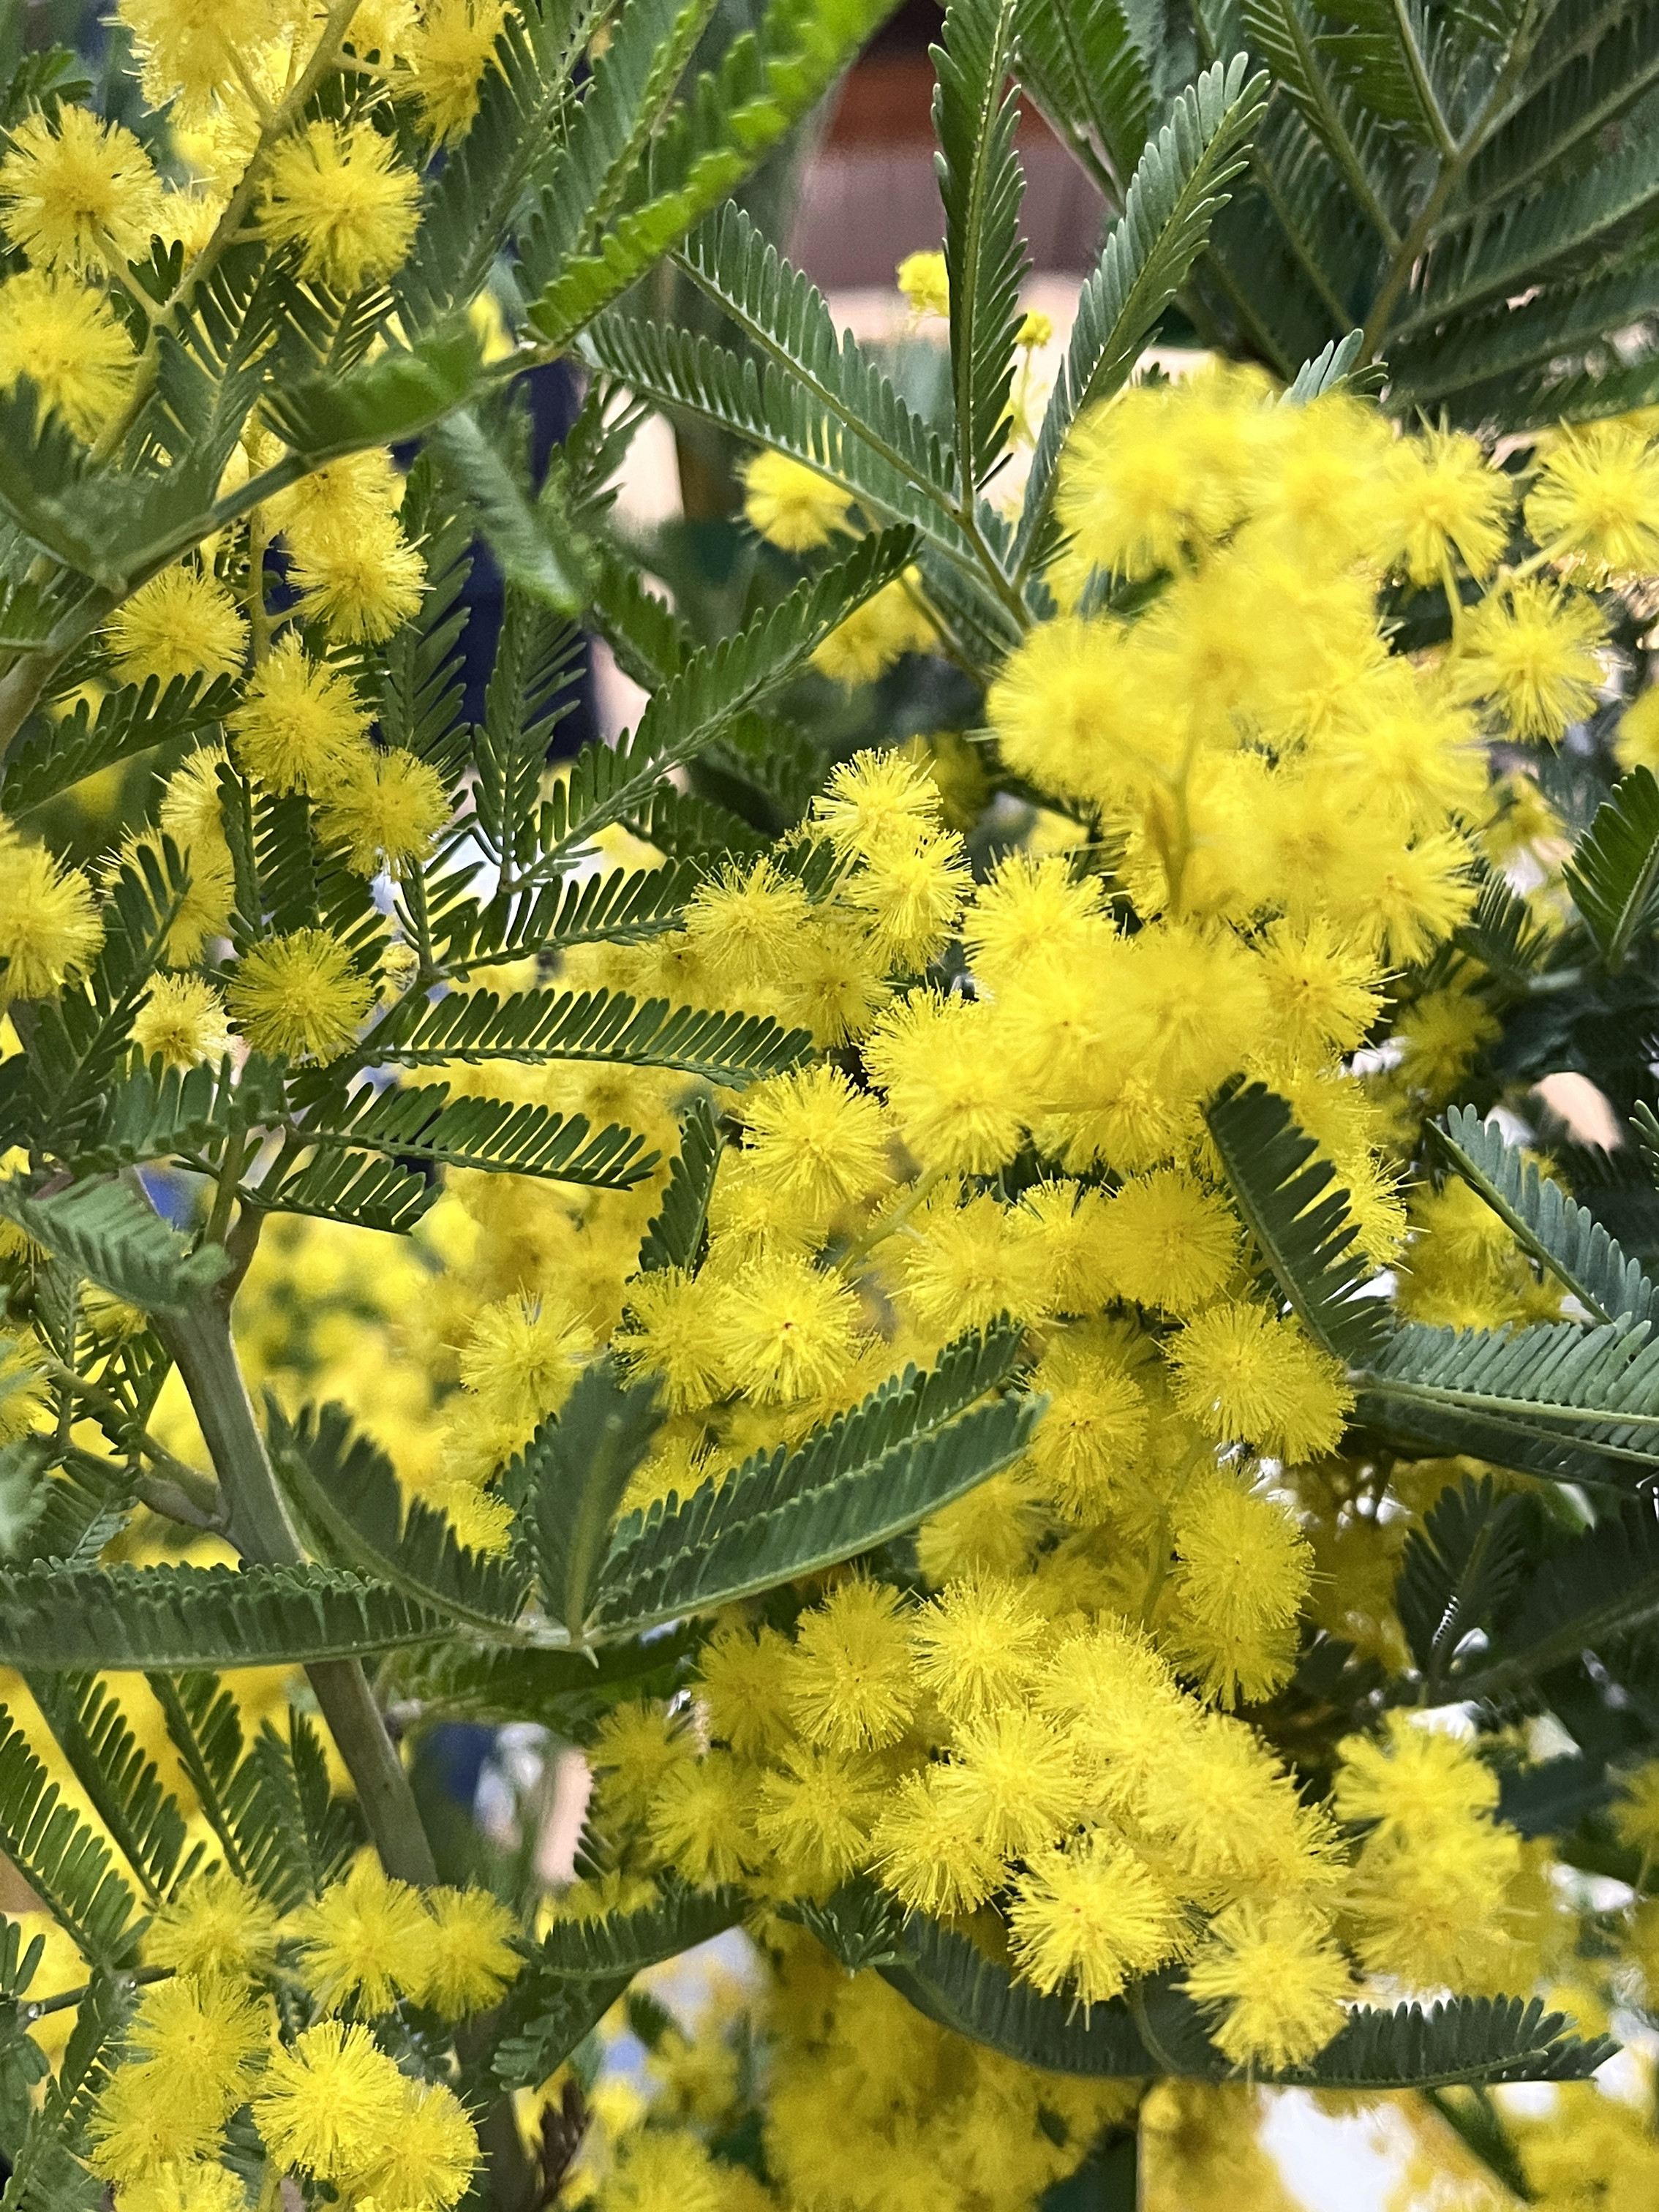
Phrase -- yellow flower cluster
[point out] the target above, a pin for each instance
(328, 2100)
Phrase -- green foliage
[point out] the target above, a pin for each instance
(1555, 1400)
(105, 1230)
(1298, 1225)
(1614, 873)
(66, 1865)
(674, 1236)
(539, 1025)
(975, 113)
(915, 1443)
(1467, 2039)
(122, 1784)
(1177, 189)
(1463, 1562)
(570, 1482)
(345, 1488)
(273, 1816)
(423, 1125)
(176, 1619)
(1563, 1237)
(46, 2175)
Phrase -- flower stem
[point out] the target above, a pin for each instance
(198, 1338)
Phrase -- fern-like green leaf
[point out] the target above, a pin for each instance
(1176, 191)
(910, 1448)
(49, 756)
(424, 1125)
(1572, 1403)
(1298, 1222)
(63, 1862)
(1614, 873)
(616, 783)
(173, 1620)
(568, 1482)
(1285, 35)
(618, 906)
(976, 113)
(106, 1231)
(674, 1235)
(805, 389)
(348, 1491)
(364, 1190)
(160, 1112)
(625, 1944)
(270, 1807)
(539, 1025)
(46, 2173)
(1562, 1236)
(536, 559)
(401, 393)
(1598, 1591)
(1081, 62)
(121, 1782)
(1463, 1563)
(728, 121)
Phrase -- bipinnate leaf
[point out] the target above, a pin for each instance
(674, 1235)
(172, 1620)
(1458, 1568)
(1298, 1222)
(1563, 1237)
(976, 114)
(1477, 2039)
(569, 1480)
(1572, 1403)
(347, 1491)
(912, 1446)
(580, 1967)
(1614, 873)
(66, 1865)
(396, 395)
(106, 1232)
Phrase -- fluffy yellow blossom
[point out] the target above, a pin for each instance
(299, 726)
(181, 623)
(448, 52)
(358, 576)
(922, 279)
(386, 808)
(298, 994)
(338, 192)
(793, 506)
(50, 929)
(63, 336)
(80, 194)
(183, 1021)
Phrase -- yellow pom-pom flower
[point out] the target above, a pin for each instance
(215, 1925)
(1247, 1378)
(792, 506)
(63, 336)
(1272, 1980)
(925, 281)
(80, 194)
(181, 623)
(331, 2103)
(1532, 651)
(361, 578)
(467, 1952)
(784, 1331)
(50, 929)
(448, 52)
(849, 1685)
(385, 808)
(1089, 1919)
(366, 1938)
(1596, 497)
(299, 726)
(340, 193)
(182, 1022)
(299, 995)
